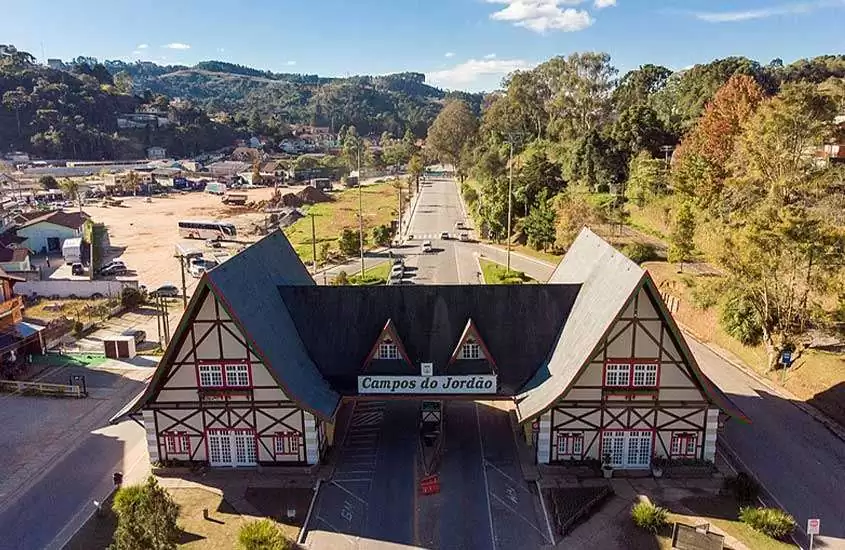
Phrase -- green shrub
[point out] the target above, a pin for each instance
(744, 489)
(263, 534)
(741, 321)
(769, 521)
(146, 518)
(649, 517)
(639, 252)
(381, 235)
(341, 279)
(350, 242)
(131, 297)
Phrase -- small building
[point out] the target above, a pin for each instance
(15, 259)
(18, 339)
(156, 153)
(47, 232)
(258, 367)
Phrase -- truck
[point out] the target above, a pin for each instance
(323, 184)
(72, 250)
(235, 198)
(215, 188)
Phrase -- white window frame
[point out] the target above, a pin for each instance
(388, 350)
(471, 350)
(689, 440)
(237, 375)
(647, 373)
(617, 375)
(570, 445)
(209, 374)
(286, 444)
(177, 443)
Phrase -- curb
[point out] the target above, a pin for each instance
(834, 427)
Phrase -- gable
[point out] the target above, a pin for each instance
(210, 337)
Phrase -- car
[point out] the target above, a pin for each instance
(77, 269)
(213, 243)
(464, 236)
(397, 272)
(459, 225)
(445, 235)
(398, 261)
(166, 290)
(113, 263)
(426, 247)
(116, 269)
(139, 335)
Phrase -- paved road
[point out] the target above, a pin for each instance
(801, 463)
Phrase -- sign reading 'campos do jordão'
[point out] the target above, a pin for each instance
(478, 383)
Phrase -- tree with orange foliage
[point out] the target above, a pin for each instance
(701, 161)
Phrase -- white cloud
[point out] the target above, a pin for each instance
(142, 46)
(221, 50)
(290, 63)
(137, 52)
(177, 46)
(469, 73)
(763, 13)
(490, 56)
(601, 4)
(449, 54)
(543, 15)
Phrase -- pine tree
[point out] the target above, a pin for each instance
(681, 247)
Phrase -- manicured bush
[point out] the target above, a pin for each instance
(649, 517)
(639, 252)
(769, 521)
(131, 297)
(146, 518)
(744, 489)
(263, 534)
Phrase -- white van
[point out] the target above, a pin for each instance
(215, 188)
(72, 250)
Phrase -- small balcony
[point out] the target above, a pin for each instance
(11, 311)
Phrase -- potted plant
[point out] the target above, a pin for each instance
(657, 464)
(606, 466)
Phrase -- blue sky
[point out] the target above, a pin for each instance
(459, 44)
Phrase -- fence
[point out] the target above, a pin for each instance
(66, 288)
(39, 388)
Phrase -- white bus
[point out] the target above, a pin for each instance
(221, 231)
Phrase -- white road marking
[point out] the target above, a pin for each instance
(350, 493)
(512, 480)
(458, 266)
(517, 514)
(486, 484)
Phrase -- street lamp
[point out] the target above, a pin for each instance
(510, 201)
(360, 210)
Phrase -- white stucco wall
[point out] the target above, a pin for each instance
(36, 235)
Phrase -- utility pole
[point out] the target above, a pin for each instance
(360, 209)
(313, 241)
(510, 201)
(184, 286)
(399, 225)
(158, 321)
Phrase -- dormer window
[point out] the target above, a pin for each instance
(471, 350)
(387, 349)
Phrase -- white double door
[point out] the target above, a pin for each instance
(231, 448)
(629, 449)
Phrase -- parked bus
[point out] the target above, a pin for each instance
(221, 231)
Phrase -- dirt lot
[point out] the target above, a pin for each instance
(144, 234)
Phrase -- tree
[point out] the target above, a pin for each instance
(453, 128)
(782, 263)
(16, 100)
(772, 153)
(349, 243)
(48, 182)
(681, 245)
(711, 143)
(537, 174)
(70, 188)
(146, 518)
(381, 235)
(263, 534)
(574, 212)
(416, 167)
(539, 225)
(638, 86)
(646, 179)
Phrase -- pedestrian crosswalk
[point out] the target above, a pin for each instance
(431, 236)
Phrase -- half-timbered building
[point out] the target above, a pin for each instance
(262, 359)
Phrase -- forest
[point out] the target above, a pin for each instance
(722, 162)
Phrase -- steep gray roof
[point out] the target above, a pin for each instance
(608, 279)
(340, 325)
(247, 285)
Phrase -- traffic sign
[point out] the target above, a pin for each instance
(813, 526)
(786, 357)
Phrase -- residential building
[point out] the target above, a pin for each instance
(15, 259)
(47, 232)
(257, 370)
(228, 168)
(156, 153)
(134, 121)
(18, 339)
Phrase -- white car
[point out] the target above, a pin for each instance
(464, 236)
(426, 247)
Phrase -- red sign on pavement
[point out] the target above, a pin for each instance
(813, 526)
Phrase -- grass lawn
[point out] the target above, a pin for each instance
(376, 275)
(220, 532)
(531, 253)
(497, 274)
(70, 360)
(380, 205)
